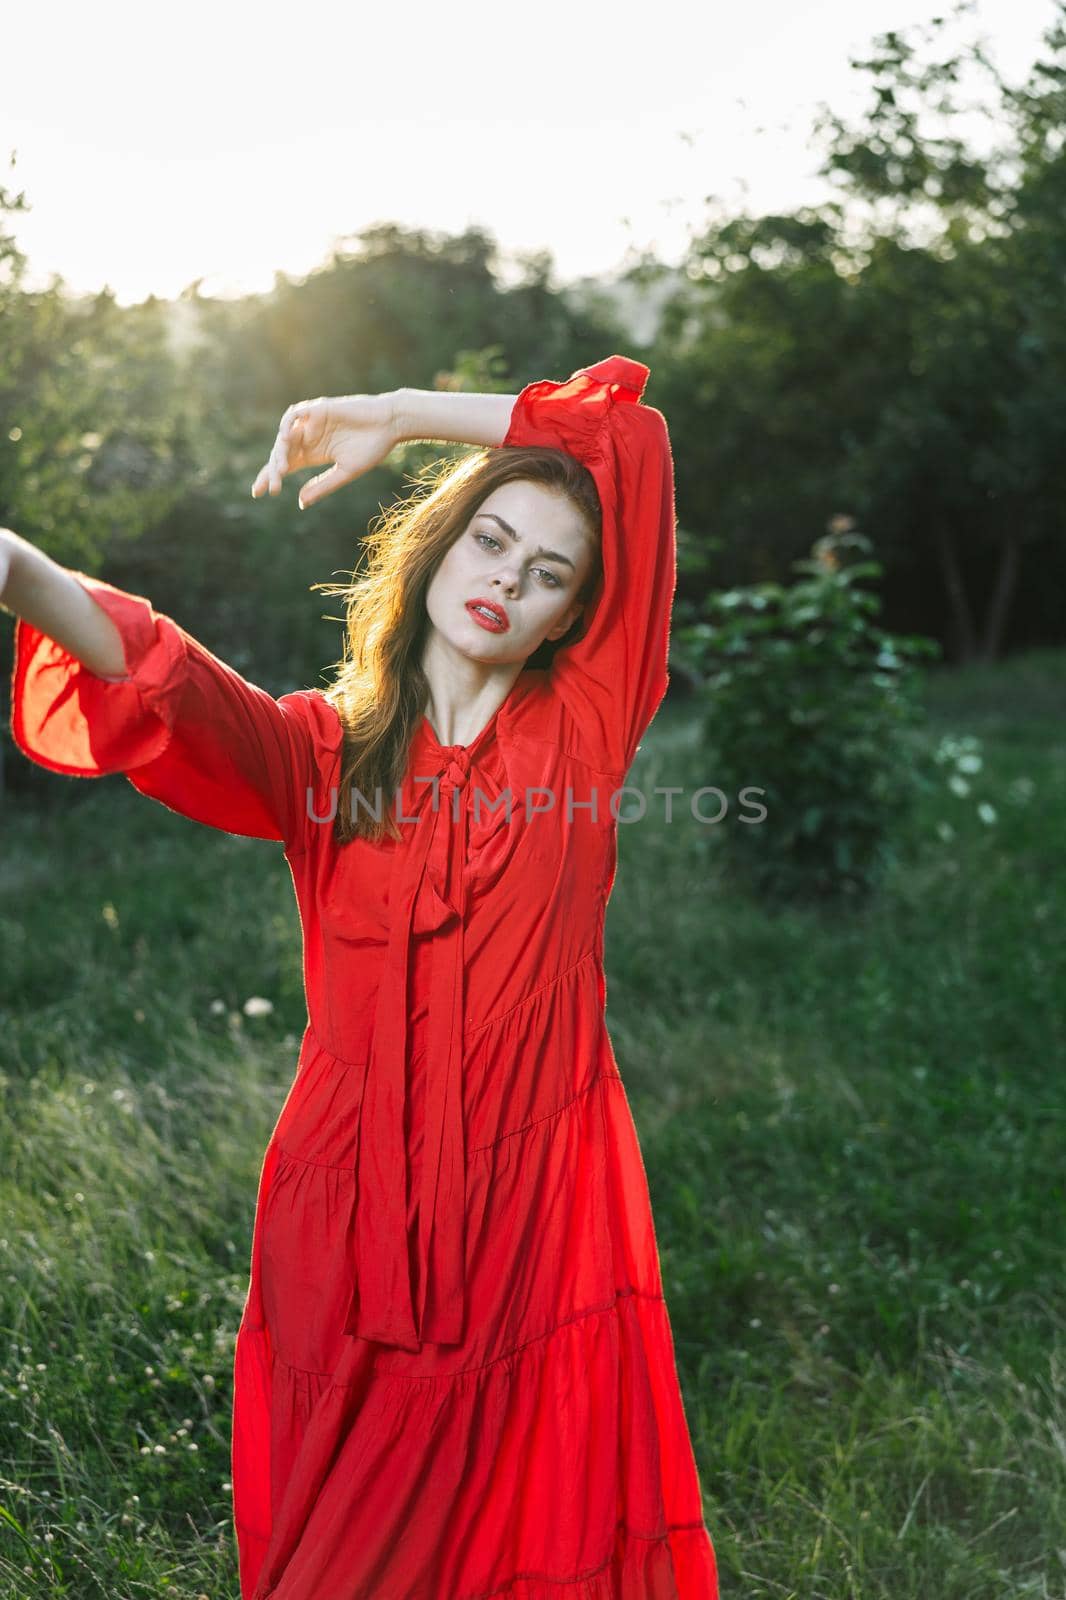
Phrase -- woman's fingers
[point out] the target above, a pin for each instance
(304, 439)
(324, 484)
(270, 476)
(291, 415)
(279, 465)
(263, 481)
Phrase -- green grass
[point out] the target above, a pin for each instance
(852, 1122)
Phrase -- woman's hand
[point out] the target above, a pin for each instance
(350, 433)
(5, 561)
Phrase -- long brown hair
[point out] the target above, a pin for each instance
(380, 689)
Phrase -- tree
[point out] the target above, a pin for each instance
(904, 368)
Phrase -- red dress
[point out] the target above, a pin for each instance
(454, 1375)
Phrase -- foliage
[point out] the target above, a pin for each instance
(904, 365)
(95, 450)
(898, 352)
(808, 706)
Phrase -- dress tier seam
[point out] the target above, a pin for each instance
(589, 1572)
(513, 1133)
(529, 1575)
(549, 983)
(465, 1372)
(468, 1033)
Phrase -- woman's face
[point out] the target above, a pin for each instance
(525, 553)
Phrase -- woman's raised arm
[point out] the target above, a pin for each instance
(350, 433)
(447, 414)
(614, 677)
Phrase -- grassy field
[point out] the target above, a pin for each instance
(852, 1123)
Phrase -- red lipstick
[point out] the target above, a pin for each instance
(496, 621)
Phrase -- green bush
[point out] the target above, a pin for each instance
(810, 710)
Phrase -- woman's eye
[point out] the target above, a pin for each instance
(552, 579)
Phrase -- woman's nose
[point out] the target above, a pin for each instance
(508, 580)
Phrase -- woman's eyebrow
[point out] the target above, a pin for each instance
(550, 555)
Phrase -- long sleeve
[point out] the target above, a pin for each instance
(185, 728)
(614, 677)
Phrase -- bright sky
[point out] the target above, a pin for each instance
(157, 144)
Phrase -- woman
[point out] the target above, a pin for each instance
(454, 1374)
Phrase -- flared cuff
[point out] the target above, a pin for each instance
(75, 722)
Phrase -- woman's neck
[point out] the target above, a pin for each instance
(459, 705)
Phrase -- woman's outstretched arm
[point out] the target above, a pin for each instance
(104, 683)
(51, 599)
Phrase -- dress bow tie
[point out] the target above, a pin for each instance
(387, 1305)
